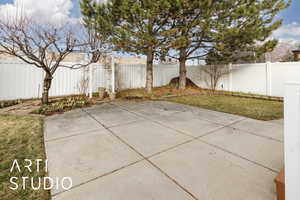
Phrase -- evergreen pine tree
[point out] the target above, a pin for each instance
(132, 26)
(199, 28)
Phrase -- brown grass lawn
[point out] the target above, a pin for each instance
(21, 137)
(157, 92)
(252, 108)
(248, 107)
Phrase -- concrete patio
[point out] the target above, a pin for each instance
(162, 150)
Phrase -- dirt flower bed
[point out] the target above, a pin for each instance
(4, 104)
(63, 105)
(157, 92)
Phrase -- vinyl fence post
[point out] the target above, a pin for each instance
(230, 77)
(90, 81)
(269, 78)
(142, 83)
(292, 140)
(113, 75)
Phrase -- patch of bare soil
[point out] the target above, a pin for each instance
(30, 107)
(24, 108)
(189, 83)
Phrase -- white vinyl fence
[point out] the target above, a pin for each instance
(22, 81)
(134, 76)
(262, 78)
(19, 80)
(292, 140)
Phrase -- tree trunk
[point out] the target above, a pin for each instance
(46, 87)
(182, 69)
(149, 77)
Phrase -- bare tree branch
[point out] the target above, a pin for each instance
(215, 73)
(45, 45)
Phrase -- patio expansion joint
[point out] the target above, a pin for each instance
(74, 135)
(193, 138)
(220, 124)
(251, 133)
(124, 124)
(176, 112)
(154, 121)
(181, 132)
(144, 157)
(223, 126)
(237, 155)
(98, 177)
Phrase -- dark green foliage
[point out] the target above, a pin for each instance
(132, 26)
(187, 29)
(245, 30)
(221, 31)
(225, 25)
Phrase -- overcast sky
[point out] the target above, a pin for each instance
(69, 9)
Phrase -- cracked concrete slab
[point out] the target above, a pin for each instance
(188, 123)
(212, 174)
(217, 117)
(238, 164)
(113, 117)
(160, 105)
(266, 152)
(263, 128)
(130, 105)
(149, 138)
(153, 109)
(169, 106)
(104, 107)
(69, 123)
(137, 182)
(87, 156)
(153, 112)
(278, 121)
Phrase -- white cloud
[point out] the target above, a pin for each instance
(101, 1)
(53, 11)
(291, 41)
(292, 29)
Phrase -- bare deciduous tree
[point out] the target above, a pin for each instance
(44, 46)
(215, 73)
(282, 52)
(94, 45)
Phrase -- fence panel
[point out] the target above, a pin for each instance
(99, 77)
(203, 80)
(76, 81)
(282, 73)
(163, 74)
(250, 78)
(134, 76)
(292, 140)
(19, 80)
(130, 76)
(198, 76)
(66, 81)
